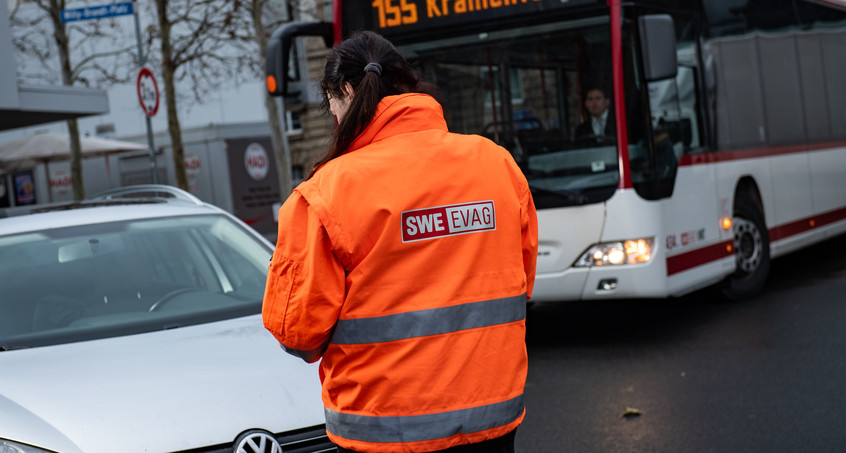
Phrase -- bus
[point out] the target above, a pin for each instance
(727, 144)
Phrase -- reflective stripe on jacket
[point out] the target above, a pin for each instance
(406, 264)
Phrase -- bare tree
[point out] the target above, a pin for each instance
(199, 44)
(256, 22)
(194, 46)
(95, 67)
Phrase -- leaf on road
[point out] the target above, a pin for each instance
(631, 412)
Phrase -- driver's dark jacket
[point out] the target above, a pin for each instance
(585, 129)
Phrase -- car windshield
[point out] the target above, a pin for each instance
(102, 280)
(542, 92)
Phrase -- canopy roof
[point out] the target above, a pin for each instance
(49, 147)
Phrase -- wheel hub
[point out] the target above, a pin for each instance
(748, 245)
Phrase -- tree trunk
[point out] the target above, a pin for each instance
(168, 69)
(283, 166)
(76, 161)
(61, 36)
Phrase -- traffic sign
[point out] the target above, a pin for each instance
(148, 92)
(96, 12)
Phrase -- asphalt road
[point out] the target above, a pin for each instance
(762, 375)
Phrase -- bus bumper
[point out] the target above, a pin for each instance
(602, 283)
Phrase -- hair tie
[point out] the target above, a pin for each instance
(373, 67)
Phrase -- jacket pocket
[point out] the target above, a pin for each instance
(281, 277)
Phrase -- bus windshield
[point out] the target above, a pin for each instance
(544, 93)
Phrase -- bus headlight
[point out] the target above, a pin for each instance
(617, 253)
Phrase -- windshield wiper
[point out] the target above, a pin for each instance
(569, 195)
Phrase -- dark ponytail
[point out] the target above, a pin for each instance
(375, 69)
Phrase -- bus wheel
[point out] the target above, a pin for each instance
(751, 250)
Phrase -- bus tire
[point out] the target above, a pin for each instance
(751, 249)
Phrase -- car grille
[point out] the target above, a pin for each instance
(306, 440)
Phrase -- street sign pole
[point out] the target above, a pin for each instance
(142, 59)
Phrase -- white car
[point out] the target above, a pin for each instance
(131, 323)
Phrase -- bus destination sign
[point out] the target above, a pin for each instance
(396, 17)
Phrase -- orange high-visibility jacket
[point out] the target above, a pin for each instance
(406, 263)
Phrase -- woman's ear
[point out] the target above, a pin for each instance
(347, 89)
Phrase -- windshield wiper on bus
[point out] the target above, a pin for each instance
(569, 195)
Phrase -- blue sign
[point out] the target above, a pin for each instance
(96, 12)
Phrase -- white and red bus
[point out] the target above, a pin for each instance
(728, 139)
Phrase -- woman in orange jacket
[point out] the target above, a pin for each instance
(405, 262)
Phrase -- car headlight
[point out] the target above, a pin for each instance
(7, 446)
(633, 251)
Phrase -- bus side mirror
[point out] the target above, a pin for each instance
(658, 46)
(279, 51)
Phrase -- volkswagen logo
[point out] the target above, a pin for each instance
(256, 441)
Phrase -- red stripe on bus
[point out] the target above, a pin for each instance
(723, 156)
(698, 257)
(806, 224)
(705, 255)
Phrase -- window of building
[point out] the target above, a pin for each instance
(293, 123)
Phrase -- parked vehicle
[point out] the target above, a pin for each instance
(131, 322)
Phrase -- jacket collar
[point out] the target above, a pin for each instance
(401, 114)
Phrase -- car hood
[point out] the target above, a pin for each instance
(154, 392)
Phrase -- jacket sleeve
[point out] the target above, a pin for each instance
(305, 283)
(530, 238)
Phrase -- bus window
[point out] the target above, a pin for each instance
(670, 119)
(525, 88)
(822, 58)
(793, 95)
(673, 107)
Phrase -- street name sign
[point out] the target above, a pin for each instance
(97, 12)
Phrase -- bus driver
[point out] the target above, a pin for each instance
(601, 122)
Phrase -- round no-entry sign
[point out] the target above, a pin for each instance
(148, 92)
